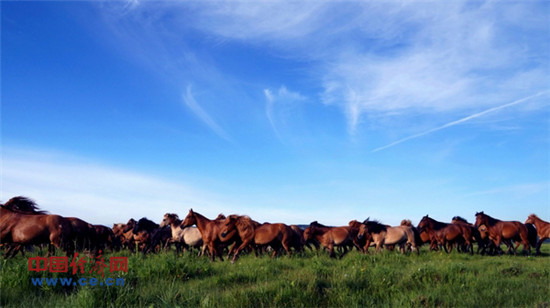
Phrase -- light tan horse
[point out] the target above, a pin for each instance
(187, 237)
(543, 229)
(276, 235)
(385, 235)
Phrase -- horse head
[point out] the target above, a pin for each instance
(169, 218)
(129, 225)
(481, 219)
(189, 220)
(229, 224)
(531, 219)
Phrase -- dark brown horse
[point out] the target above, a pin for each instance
(543, 229)
(276, 235)
(22, 223)
(500, 231)
(444, 234)
(469, 228)
(83, 234)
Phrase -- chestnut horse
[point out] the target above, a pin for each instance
(382, 235)
(504, 230)
(445, 234)
(543, 229)
(329, 237)
(210, 231)
(22, 223)
(276, 235)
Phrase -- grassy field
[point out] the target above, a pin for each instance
(309, 279)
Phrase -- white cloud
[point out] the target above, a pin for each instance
(280, 107)
(97, 193)
(374, 59)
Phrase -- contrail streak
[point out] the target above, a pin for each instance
(473, 116)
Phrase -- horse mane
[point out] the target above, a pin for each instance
(490, 220)
(374, 226)
(458, 218)
(145, 224)
(245, 223)
(220, 216)
(406, 222)
(23, 205)
(318, 225)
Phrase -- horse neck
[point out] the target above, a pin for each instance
(201, 221)
(539, 223)
(491, 221)
(437, 225)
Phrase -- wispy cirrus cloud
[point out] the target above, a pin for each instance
(376, 59)
(280, 106)
(192, 104)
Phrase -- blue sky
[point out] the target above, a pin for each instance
(285, 111)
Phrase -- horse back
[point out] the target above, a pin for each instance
(337, 235)
(512, 229)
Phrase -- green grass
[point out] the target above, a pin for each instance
(309, 279)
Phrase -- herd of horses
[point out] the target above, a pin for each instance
(23, 225)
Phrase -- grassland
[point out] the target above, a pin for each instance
(309, 279)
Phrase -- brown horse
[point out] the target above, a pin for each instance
(504, 230)
(468, 228)
(210, 231)
(382, 235)
(22, 223)
(543, 229)
(444, 234)
(104, 236)
(331, 237)
(298, 241)
(83, 233)
(277, 235)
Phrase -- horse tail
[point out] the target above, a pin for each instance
(531, 235)
(416, 236)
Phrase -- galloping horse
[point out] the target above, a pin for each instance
(543, 229)
(382, 235)
(210, 231)
(83, 235)
(188, 237)
(276, 235)
(468, 228)
(22, 223)
(445, 234)
(329, 237)
(504, 230)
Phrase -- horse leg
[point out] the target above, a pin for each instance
(244, 244)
